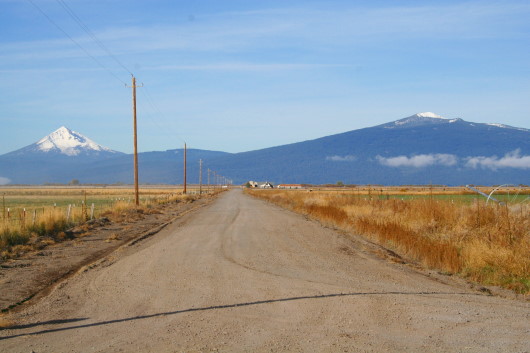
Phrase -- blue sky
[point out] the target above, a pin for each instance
(243, 75)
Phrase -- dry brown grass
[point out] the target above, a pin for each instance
(23, 231)
(112, 237)
(488, 244)
(409, 190)
(5, 323)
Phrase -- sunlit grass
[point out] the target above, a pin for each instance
(489, 244)
(45, 214)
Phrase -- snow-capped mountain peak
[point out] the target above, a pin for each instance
(428, 115)
(419, 119)
(69, 142)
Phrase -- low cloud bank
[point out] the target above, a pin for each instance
(348, 158)
(4, 181)
(512, 159)
(419, 161)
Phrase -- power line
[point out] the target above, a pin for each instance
(75, 42)
(91, 34)
(150, 114)
(151, 102)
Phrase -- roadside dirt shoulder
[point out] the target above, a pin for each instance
(32, 275)
(383, 251)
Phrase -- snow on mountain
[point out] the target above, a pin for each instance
(428, 115)
(507, 126)
(497, 125)
(424, 148)
(419, 119)
(429, 118)
(65, 142)
(69, 142)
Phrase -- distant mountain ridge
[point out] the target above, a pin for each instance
(429, 118)
(420, 149)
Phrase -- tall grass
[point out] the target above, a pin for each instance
(489, 244)
(30, 227)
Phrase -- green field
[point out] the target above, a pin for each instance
(509, 195)
(507, 198)
(36, 201)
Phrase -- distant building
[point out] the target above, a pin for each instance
(267, 185)
(253, 184)
(290, 186)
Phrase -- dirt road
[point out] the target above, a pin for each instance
(241, 275)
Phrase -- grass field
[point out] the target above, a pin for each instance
(32, 212)
(451, 230)
(457, 194)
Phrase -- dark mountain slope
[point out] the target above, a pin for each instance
(356, 156)
(420, 149)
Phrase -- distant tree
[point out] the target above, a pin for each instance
(340, 183)
(74, 182)
(247, 185)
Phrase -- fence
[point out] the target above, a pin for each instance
(74, 212)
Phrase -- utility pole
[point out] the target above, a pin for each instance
(136, 190)
(85, 209)
(185, 172)
(4, 205)
(208, 180)
(200, 176)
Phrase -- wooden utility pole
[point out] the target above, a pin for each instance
(208, 180)
(85, 209)
(214, 180)
(200, 176)
(136, 189)
(185, 172)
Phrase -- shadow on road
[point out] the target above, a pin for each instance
(51, 322)
(217, 307)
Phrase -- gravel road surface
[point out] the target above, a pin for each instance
(241, 275)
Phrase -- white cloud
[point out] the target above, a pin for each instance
(348, 158)
(4, 181)
(512, 159)
(283, 27)
(240, 66)
(419, 161)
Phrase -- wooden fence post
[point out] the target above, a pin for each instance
(23, 220)
(69, 209)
